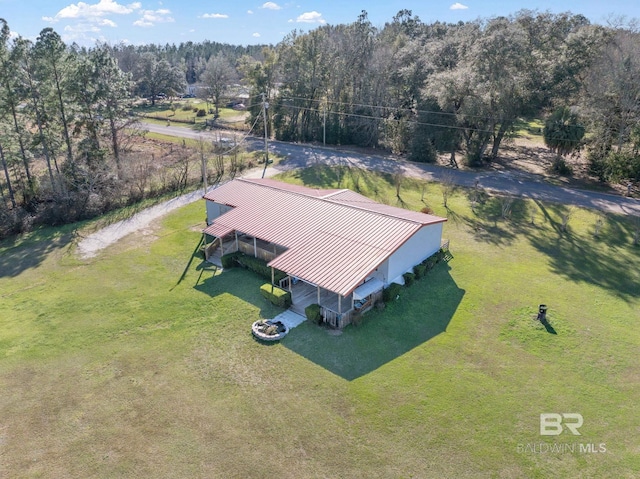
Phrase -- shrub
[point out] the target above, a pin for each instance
(258, 266)
(426, 210)
(228, 260)
(195, 109)
(561, 166)
(409, 278)
(390, 293)
(277, 296)
(420, 270)
(313, 313)
(201, 112)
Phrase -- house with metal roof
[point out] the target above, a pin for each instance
(338, 248)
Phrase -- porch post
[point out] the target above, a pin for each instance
(290, 286)
(237, 245)
(204, 240)
(255, 247)
(340, 304)
(318, 295)
(273, 276)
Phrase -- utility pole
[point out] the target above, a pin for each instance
(203, 164)
(265, 105)
(324, 125)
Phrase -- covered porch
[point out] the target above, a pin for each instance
(225, 242)
(335, 309)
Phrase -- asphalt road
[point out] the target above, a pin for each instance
(510, 183)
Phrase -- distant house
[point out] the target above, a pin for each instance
(338, 248)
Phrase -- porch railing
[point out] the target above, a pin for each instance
(335, 319)
(249, 249)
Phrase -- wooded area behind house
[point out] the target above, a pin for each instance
(67, 133)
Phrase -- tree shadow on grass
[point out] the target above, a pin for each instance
(237, 282)
(18, 255)
(577, 260)
(423, 311)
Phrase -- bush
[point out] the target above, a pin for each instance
(313, 313)
(426, 210)
(195, 109)
(258, 266)
(420, 270)
(228, 260)
(201, 112)
(277, 296)
(390, 293)
(561, 167)
(409, 278)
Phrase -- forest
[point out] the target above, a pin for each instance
(69, 141)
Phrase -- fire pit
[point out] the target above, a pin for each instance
(269, 330)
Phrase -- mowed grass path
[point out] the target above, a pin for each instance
(140, 363)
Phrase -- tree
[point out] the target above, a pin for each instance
(11, 96)
(115, 88)
(154, 75)
(563, 132)
(53, 62)
(217, 76)
(27, 71)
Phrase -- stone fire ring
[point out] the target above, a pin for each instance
(258, 326)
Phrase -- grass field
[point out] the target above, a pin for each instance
(140, 362)
(183, 111)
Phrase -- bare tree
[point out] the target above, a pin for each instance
(447, 187)
(506, 203)
(217, 77)
(566, 217)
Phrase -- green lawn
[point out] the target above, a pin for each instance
(140, 362)
(183, 111)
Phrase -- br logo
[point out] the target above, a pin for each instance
(551, 424)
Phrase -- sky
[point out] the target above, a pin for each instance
(249, 22)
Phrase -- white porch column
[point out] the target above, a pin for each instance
(255, 247)
(318, 295)
(237, 245)
(273, 276)
(340, 304)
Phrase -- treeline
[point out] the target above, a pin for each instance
(63, 117)
(418, 89)
(67, 131)
(429, 89)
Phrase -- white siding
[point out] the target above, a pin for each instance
(214, 210)
(382, 272)
(418, 248)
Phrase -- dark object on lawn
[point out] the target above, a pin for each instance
(542, 313)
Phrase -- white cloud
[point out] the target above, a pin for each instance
(81, 28)
(458, 6)
(93, 11)
(250, 12)
(105, 22)
(214, 15)
(151, 17)
(271, 6)
(311, 17)
(256, 35)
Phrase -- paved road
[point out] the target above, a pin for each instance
(512, 183)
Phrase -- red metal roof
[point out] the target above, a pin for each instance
(334, 238)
